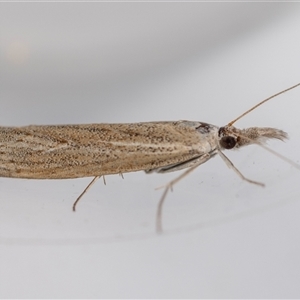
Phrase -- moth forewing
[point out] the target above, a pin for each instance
(72, 151)
(205, 142)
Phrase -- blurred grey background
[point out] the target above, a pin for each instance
(141, 61)
(102, 62)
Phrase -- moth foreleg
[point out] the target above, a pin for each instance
(230, 164)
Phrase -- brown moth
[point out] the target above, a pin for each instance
(95, 150)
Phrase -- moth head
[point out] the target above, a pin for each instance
(231, 137)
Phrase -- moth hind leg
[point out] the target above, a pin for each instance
(85, 190)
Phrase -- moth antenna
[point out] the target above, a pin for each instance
(295, 165)
(262, 102)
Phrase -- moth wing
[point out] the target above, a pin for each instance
(179, 166)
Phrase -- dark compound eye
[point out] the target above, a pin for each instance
(228, 142)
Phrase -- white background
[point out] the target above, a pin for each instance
(129, 62)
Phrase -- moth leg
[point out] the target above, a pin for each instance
(231, 166)
(85, 190)
(170, 185)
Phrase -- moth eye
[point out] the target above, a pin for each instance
(228, 142)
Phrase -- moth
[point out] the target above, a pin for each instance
(95, 150)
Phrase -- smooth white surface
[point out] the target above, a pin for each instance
(129, 62)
